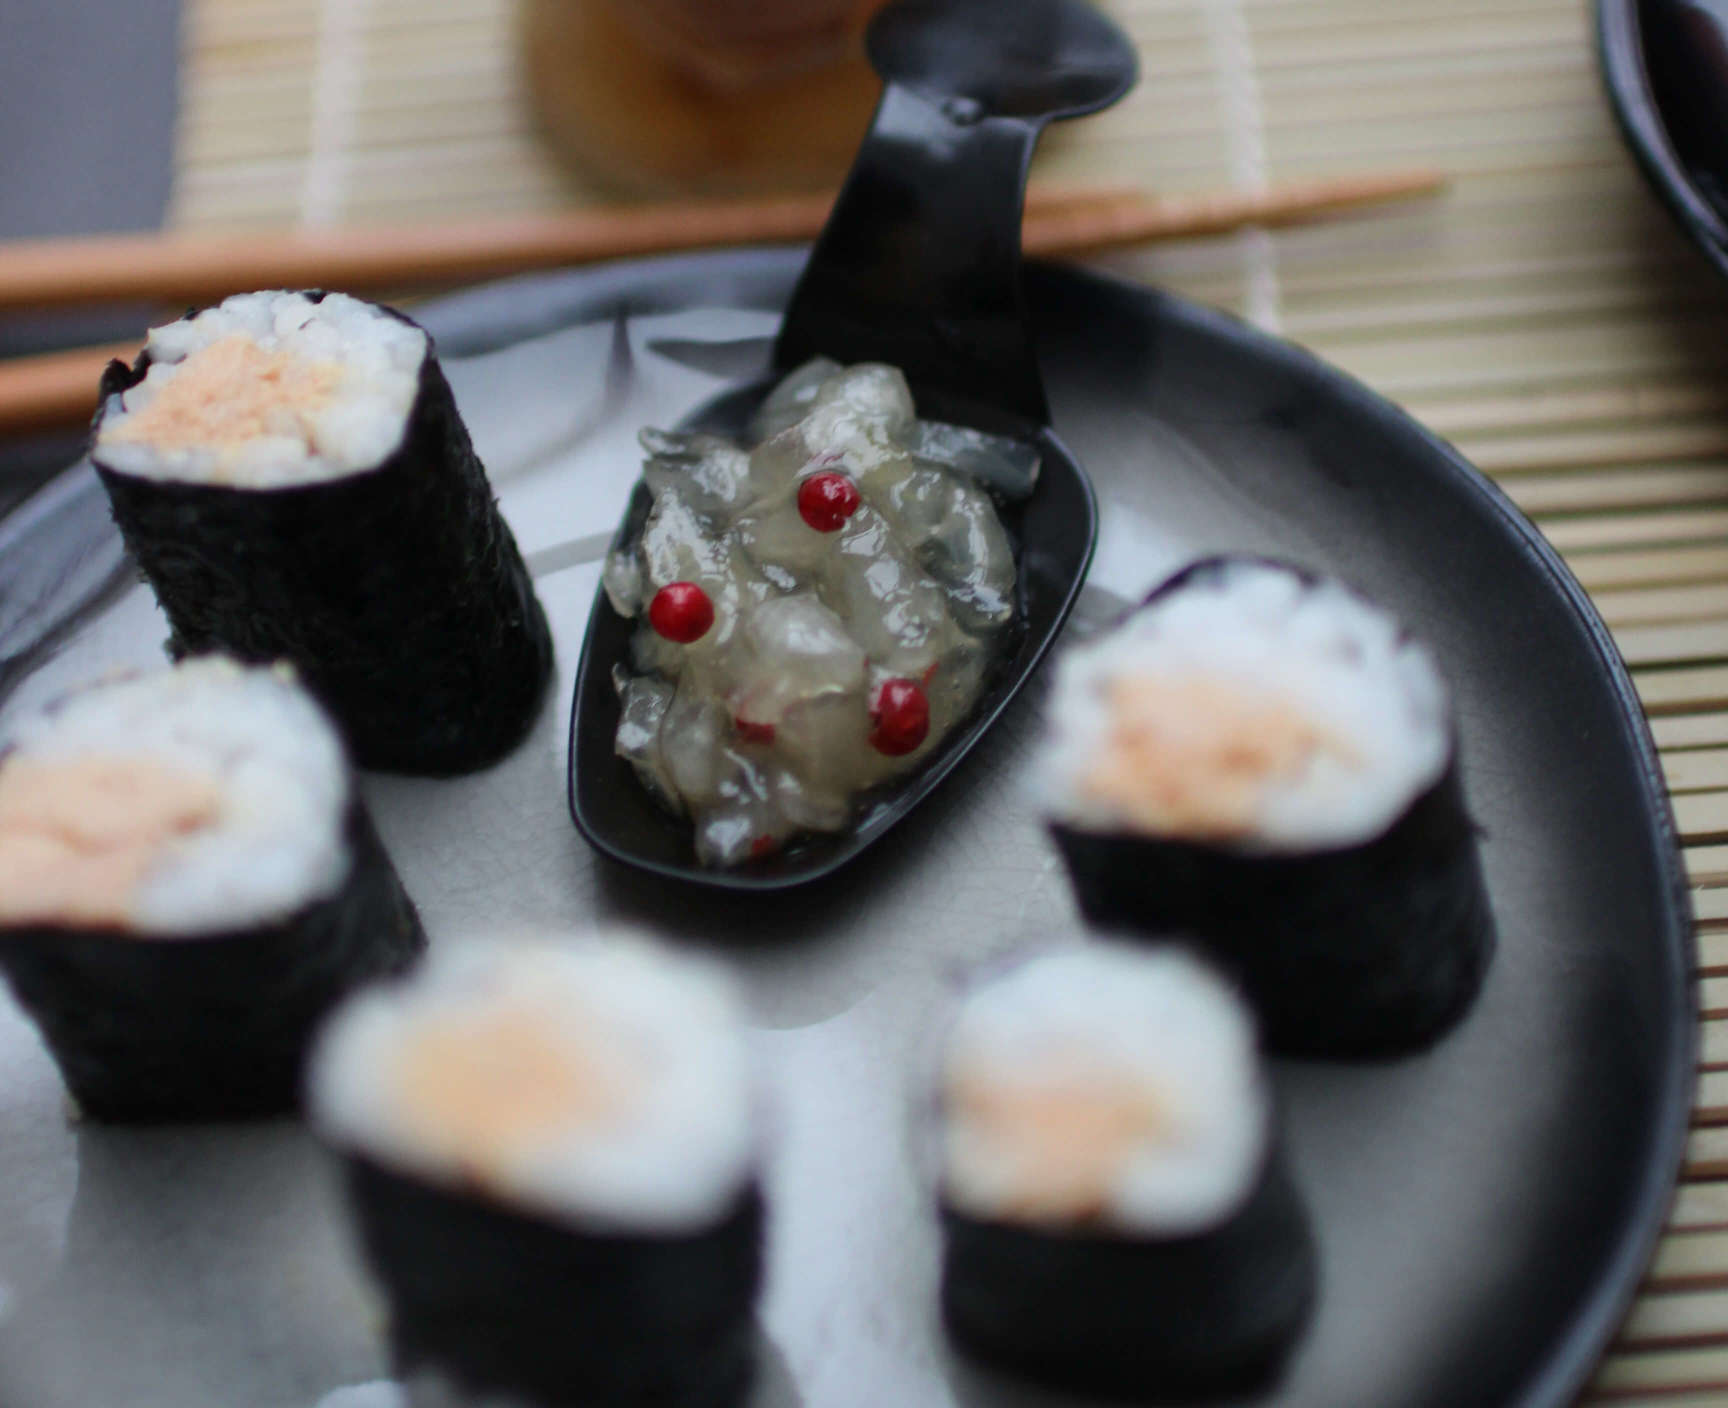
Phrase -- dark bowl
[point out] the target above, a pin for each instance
(1656, 123)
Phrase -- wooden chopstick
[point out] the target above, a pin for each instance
(54, 389)
(60, 388)
(198, 269)
(1115, 223)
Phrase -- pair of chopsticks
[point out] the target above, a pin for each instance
(180, 270)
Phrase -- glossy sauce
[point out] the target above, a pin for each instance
(816, 612)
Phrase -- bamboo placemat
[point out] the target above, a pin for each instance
(1543, 316)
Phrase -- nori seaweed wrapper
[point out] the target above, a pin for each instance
(1373, 951)
(398, 592)
(1366, 951)
(1132, 1317)
(213, 1027)
(503, 1301)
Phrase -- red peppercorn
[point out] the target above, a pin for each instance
(900, 718)
(681, 612)
(752, 732)
(827, 500)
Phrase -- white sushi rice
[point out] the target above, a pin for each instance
(1105, 1087)
(327, 393)
(1312, 721)
(276, 839)
(603, 1085)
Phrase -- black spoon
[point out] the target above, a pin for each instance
(919, 266)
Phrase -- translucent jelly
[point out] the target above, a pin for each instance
(816, 611)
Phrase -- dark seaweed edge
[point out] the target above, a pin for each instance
(150, 1029)
(500, 1299)
(1136, 1317)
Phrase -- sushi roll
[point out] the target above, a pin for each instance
(291, 475)
(551, 1156)
(1117, 1212)
(1259, 758)
(188, 883)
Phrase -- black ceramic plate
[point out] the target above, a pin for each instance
(1484, 1210)
(1657, 123)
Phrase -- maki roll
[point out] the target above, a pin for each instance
(291, 475)
(551, 1156)
(188, 882)
(1117, 1212)
(1261, 759)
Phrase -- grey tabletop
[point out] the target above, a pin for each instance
(87, 104)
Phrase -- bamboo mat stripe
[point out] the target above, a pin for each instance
(1542, 315)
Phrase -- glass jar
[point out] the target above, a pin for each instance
(701, 96)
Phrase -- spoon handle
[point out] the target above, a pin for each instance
(919, 264)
